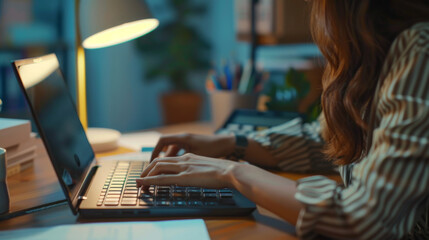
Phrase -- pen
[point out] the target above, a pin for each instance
(228, 76)
(216, 82)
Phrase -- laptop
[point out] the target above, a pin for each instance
(105, 189)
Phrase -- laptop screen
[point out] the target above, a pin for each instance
(56, 118)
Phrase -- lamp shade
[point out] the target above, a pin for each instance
(105, 23)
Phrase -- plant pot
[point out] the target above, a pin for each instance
(181, 107)
(223, 103)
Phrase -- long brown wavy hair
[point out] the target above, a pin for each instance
(355, 36)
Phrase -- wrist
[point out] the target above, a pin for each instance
(227, 143)
(241, 144)
(229, 176)
(236, 173)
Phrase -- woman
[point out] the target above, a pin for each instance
(375, 127)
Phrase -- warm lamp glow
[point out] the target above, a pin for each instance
(32, 74)
(121, 33)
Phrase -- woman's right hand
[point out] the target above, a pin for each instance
(214, 146)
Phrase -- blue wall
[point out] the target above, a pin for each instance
(117, 96)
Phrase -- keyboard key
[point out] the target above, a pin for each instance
(145, 202)
(158, 193)
(163, 203)
(194, 190)
(111, 203)
(209, 191)
(209, 195)
(129, 196)
(111, 198)
(146, 195)
(129, 191)
(179, 198)
(225, 191)
(195, 203)
(225, 195)
(113, 194)
(162, 198)
(118, 180)
(179, 203)
(194, 195)
(119, 176)
(179, 191)
(149, 199)
(99, 203)
(115, 189)
(210, 203)
(178, 194)
(129, 202)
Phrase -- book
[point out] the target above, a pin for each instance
(23, 156)
(17, 168)
(13, 132)
(277, 21)
(264, 14)
(19, 151)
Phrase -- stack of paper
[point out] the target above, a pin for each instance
(20, 144)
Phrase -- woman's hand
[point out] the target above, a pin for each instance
(188, 170)
(210, 146)
(268, 190)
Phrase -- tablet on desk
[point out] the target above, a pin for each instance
(243, 121)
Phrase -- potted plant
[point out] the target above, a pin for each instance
(300, 92)
(175, 50)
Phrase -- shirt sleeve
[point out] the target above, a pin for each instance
(389, 189)
(296, 145)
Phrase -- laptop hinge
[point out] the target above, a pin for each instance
(86, 183)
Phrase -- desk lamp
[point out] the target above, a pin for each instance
(104, 23)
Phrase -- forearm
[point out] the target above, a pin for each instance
(267, 190)
(258, 155)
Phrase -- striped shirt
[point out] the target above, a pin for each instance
(386, 194)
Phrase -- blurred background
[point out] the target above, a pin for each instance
(198, 41)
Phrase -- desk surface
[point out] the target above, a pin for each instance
(39, 185)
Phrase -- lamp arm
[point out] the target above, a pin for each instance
(80, 72)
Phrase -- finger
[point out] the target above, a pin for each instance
(156, 161)
(162, 180)
(161, 169)
(166, 168)
(165, 141)
(172, 151)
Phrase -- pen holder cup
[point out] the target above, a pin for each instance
(4, 194)
(223, 103)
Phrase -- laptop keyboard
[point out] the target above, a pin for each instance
(120, 190)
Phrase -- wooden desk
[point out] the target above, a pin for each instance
(39, 185)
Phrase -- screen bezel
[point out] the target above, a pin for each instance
(72, 198)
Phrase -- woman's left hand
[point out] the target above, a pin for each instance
(188, 170)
